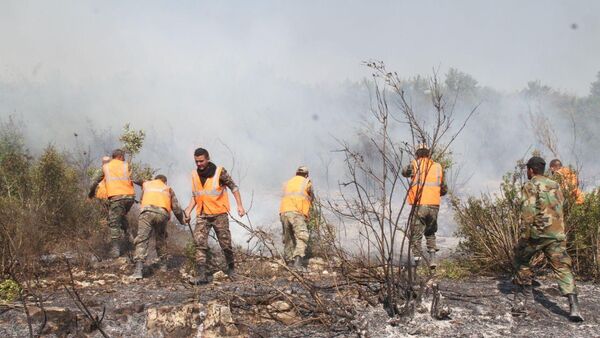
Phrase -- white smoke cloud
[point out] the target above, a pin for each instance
(275, 82)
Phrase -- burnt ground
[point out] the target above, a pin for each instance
(163, 304)
(480, 307)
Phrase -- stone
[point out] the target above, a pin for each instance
(173, 321)
(220, 276)
(59, 321)
(219, 321)
(317, 264)
(283, 311)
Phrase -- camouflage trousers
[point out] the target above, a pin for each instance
(424, 222)
(295, 234)
(149, 223)
(556, 253)
(117, 217)
(221, 225)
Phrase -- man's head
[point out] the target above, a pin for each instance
(535, 166)
(105, 159)
(555, 165)
(161, 177)
(118, 154)
(302, 171)
(422, 150)
(202, 158)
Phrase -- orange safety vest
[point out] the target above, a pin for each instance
(101, 190)
(571, 183)
(117, 179)
(211, 198)
(426, 181)
(295, 196)
(156, 193)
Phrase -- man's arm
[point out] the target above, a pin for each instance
(443, 185)
(95, 181)
(528, 209)
(226, 180)
(188, 210)
(407, 171)
(309, 190)
(177, 211)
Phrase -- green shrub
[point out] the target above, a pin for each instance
(9, 290)
(583, 236)
(489, 225)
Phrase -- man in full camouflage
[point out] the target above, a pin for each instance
(121, 197)
(542, 230)
(157, 202)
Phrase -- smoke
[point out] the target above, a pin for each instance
(270, 86)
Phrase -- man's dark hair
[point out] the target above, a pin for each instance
(201, 152)
(421, 153)
(161, 177)
(555, 162)
(118, 153)
(537, 165)
(302, 173)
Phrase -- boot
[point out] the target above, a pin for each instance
(574, 314)
(522, 295)
(200, 277)
(298, 263)
(231, 270)
(230, 265)
(115, 249)
(138, 273)
(162, 266)
(432, 260)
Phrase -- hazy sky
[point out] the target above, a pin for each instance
(275, 81)
(503, 44)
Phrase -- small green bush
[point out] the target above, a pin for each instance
(9, 290)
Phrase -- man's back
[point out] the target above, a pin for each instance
(543, 208)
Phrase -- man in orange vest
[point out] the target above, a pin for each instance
(209, 197)
(293, 212)
(158, 200)
(425, 190)
(568, 181)
(121, 196)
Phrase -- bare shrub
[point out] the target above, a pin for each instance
(489, 225)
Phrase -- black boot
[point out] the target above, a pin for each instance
(298, 263)
(200, 277)
(574, 314)
(115, 249)
(138, 273)
(522, 295)
(230, 264)
(231, 269)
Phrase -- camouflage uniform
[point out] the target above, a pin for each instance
(542, 230)
(295, 234)
(118, 207)
(220, 223)
(424, 222)
(154, 219)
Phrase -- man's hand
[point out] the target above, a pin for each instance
(241, 211)
(186, 217)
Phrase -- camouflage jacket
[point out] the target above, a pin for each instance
(542, 209)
